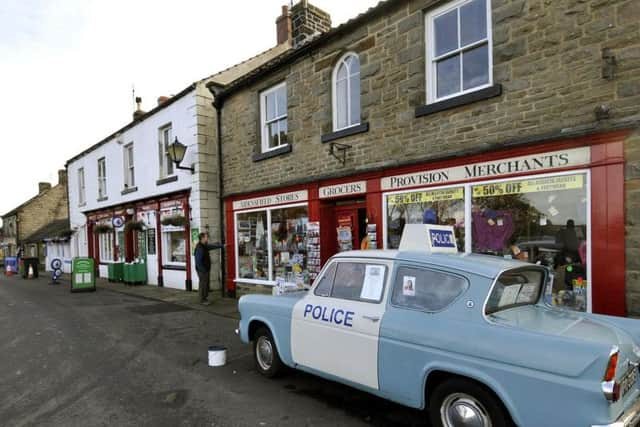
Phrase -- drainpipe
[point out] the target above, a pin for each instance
(218, 102)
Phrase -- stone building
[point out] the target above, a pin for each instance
(20, 224)
(515, 121)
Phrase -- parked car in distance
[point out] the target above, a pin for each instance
(467, 337)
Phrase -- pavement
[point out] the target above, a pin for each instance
(135, 357)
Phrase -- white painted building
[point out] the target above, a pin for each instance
(128, 178)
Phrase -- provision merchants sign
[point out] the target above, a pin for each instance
(515, 165)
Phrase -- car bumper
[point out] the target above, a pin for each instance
(630, 417)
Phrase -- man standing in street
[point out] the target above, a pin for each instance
(203, 265)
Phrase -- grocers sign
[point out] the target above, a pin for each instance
(340, 190)
(524, 164)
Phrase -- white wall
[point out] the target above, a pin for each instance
(61, 250)
(183, 114)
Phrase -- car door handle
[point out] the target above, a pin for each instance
(372, 318)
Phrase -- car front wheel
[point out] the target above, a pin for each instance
(266, 353)
(462, 403)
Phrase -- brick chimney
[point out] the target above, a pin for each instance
(43, 186)
(308, 21)
(283, 26)
(138, 113)
(62, 176)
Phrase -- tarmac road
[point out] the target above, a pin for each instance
(108, 359)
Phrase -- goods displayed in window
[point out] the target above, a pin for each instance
(175, 244)
(439, 207)
(275, 243)
(539, 220)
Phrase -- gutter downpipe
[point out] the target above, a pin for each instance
(218, 102)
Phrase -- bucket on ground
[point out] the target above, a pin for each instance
(217, 355)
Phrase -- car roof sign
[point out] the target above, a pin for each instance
(428, 237)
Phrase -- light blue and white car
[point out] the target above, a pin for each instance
(467, 337)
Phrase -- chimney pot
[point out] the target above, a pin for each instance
(138, 113)
(43, 186)
(162, 99)
(62, 176)
(283, 26)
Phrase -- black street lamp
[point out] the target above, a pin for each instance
(177, 150)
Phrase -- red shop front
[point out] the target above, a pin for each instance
(559, 203)
(153, 233)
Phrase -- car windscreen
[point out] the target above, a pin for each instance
(515, 288)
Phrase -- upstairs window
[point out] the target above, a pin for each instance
(273, 117)
(82, 196)
(102, 178)
(165, 135)
(346, 92)
(459, 54)
(129, 169)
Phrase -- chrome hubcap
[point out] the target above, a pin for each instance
(462, 410)
(264, 353)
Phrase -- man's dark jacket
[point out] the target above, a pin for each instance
(203, 260)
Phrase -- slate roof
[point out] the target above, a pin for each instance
(55, 230)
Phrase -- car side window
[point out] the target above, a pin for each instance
(323, 288)
(426, 290)
(359, 281)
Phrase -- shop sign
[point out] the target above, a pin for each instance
(557, 183)
(426, 196)
(277, 199)
(340, 190)
(524, 164)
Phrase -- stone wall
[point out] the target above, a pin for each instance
(547, 56)
(48, 206)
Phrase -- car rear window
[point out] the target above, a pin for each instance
(515, 288)
(426, 290)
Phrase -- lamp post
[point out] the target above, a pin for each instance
(177, 150)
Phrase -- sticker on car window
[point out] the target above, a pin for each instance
(527, 293)
(509, 295)
(409, 286)
(373, 283)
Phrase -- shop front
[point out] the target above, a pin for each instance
(147, 241)
(559, 204)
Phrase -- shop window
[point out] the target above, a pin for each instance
(105, 241)
(121, 245)
(539, 220)
(273, 117)
(441, 207)
(253, 251)
(346, 92)
(427, 290)
(174, 247)
(459, 52)
(165, 134)
(272, 243)
(129, 169)
(102, 178)
(82, 196)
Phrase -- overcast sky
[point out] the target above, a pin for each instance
(67, 68)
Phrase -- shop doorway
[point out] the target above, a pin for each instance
(350, 225)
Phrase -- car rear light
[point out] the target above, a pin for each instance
(610, 387)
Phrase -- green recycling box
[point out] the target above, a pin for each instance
(83, 276)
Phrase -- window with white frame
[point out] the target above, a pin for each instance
(106, 247)
(459, 53)
(174, 244)
(129, 169)
(346, 92)
(165, 134)
(82, 196)
(102, 178)
(273, 117)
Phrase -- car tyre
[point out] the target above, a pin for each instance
(266, 354)
(457, 396)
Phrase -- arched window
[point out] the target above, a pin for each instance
(346, 92)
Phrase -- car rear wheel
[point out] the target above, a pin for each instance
(266, 353)
(463, 403)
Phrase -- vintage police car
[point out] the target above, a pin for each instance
(467, 337)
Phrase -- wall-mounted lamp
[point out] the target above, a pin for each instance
(177, 150)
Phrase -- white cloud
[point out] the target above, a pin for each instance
(67, 68)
